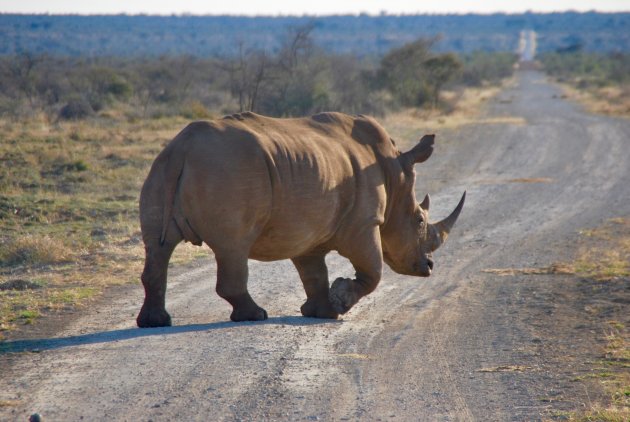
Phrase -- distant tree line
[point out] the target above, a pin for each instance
(299, 78)
(588, 69)
(370, 36)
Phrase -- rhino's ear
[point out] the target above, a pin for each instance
(419, 153)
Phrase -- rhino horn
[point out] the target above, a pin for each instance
(442, 228)
(426, 203)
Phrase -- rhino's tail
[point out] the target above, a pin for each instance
(172, 174)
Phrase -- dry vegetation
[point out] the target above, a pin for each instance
(602, 257)
(610, 100)
(600, 82)
(68, 210)
(461, 107)
(610, 243)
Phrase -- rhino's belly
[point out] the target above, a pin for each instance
(287, 242)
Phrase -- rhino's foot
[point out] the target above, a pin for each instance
(153, 318)
(318, 309)
(249, 314)
(342, 295)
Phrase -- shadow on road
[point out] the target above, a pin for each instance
(38, 345)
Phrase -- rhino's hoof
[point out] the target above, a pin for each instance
(319, 309)
(342, 296)
(153, 318)
(256, 314)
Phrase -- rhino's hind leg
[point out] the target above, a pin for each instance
(314, 275)
(232, 273)
(153, 312)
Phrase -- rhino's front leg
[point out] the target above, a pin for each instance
(314, 275)
(366, 256)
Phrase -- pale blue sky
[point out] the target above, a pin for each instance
(297, 7)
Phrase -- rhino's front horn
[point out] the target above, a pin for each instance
(444, 227)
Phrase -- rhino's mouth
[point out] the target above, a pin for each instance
(424, 267)
(420, 268)
(430, 264)
(423, 270)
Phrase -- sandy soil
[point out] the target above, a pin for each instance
(463, 344)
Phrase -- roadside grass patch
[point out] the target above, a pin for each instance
(608, 100)
(24, 307)
(464, 108)
(531, 180)
(506, 368)
(69, 210)
(71, 296)
(603, 257)
(603, 254)
(605, 251)
(9, 403)
(28, 316)
(21, 284)
(34, 250)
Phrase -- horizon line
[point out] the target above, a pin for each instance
(308, 15)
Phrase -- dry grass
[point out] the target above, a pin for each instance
(618, 384)
(34, 250)
(506, 368)
(464, 109)
(517, 180)
(359, 356)
(69, 212)
(9, 403)
(604, 252)
(603, 255)
(556, 268)
(610, 101)
(531, 180)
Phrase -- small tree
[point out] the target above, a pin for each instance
(441, 70)
(247, 73)
(402, 72)
(22, 72)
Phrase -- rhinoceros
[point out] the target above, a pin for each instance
(255, 187)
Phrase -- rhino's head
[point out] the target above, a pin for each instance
(408, 239)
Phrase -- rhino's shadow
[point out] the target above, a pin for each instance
(38, 345)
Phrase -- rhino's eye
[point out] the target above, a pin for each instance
(420, 219)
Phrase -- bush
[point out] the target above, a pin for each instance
(196, 110)
(401, 72)
(76, 109)
(481, 67)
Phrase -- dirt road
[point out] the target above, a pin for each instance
(461, 345)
